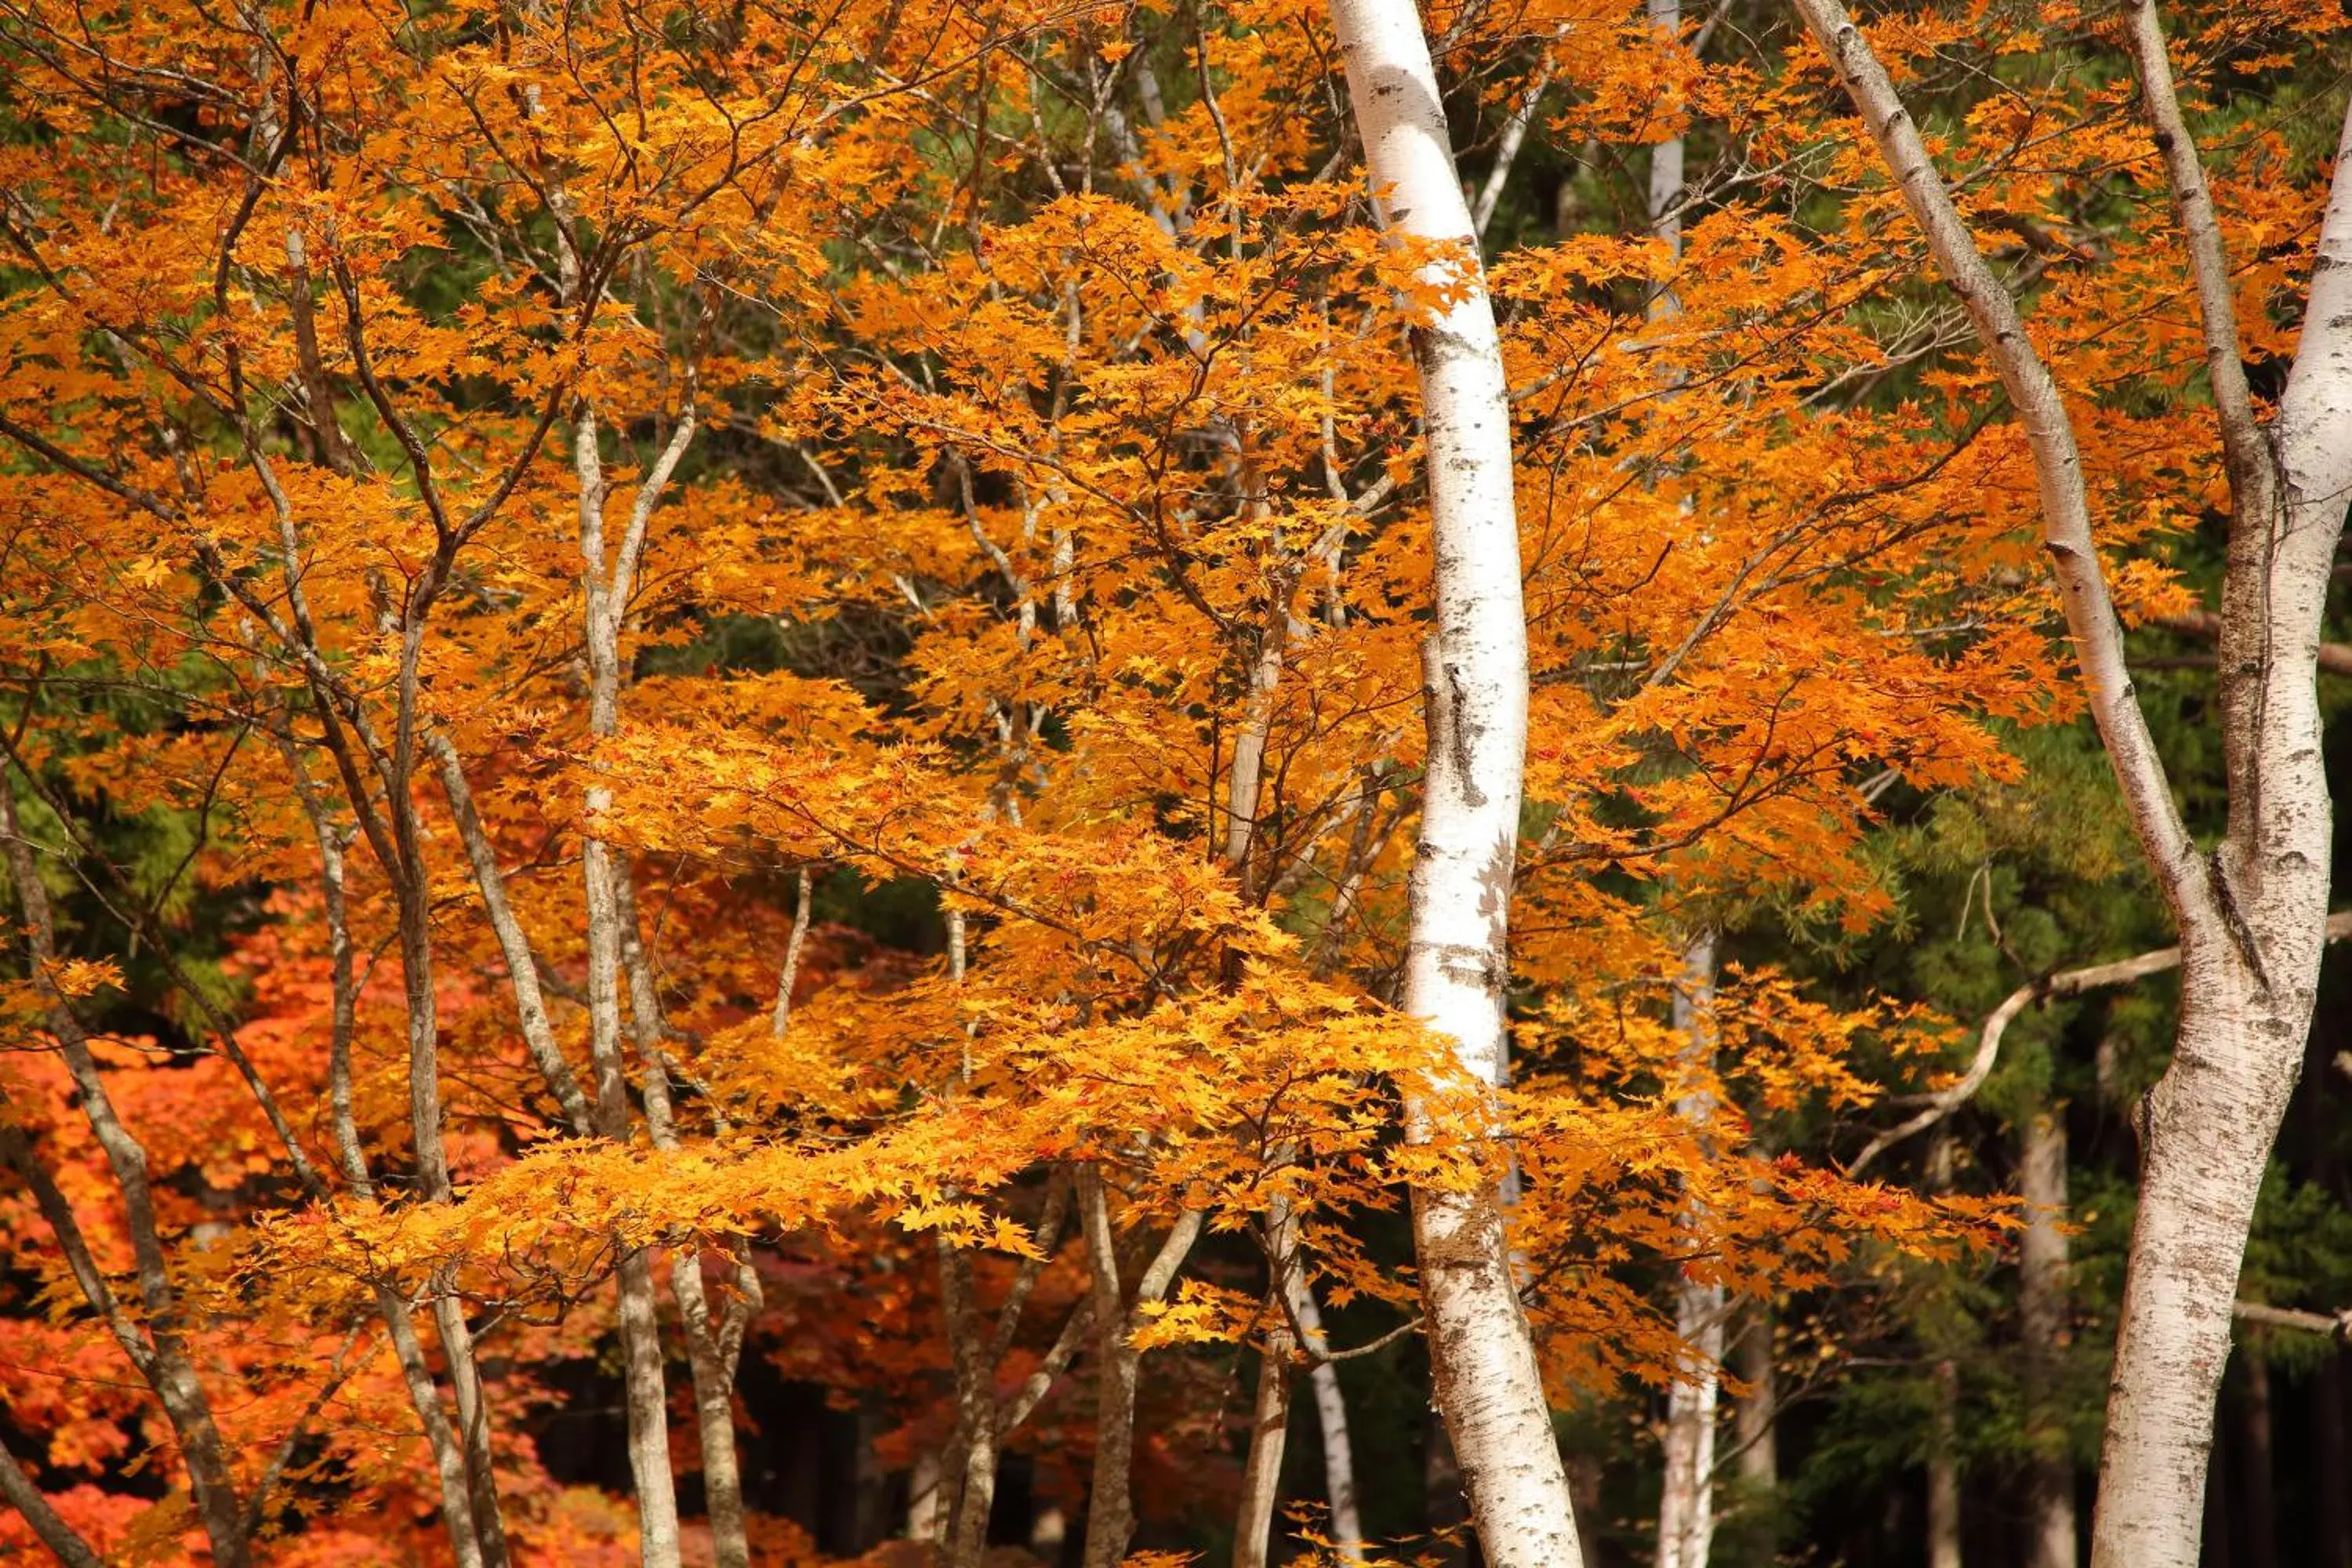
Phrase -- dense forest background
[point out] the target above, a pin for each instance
(711, 718)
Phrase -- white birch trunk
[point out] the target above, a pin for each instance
(1687, 1496)
(2251, 945)
(1331, 1416)
(1753, 1420)
(1488, 1384)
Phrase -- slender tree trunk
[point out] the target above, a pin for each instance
(449, 1460)
(1944, 1425)
(1118, 1365)
(2251, 910)
(1332, 1419)
(1270, 1412)
(1686, 1508)
(712, 1343)
(1482, 1357)
(1585, 1476)
(1262, 1472)
(2332, 1457)
(449, 1467)
(645, 1389)
(2043, 1312)
(65, 1542)
(968, 1478)
(2257, 1525)
(925, 1518)
(160, 1355)
(1687, 1495)
(1944, 1471)
(1754, 1421)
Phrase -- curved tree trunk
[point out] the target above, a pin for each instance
(1483, 1360)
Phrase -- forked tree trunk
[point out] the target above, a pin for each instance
(1269, 1432)
(644, 1380)
(1482, 1357)
(2043, 1311)
(2251, 912)
(1118, 1365)
(714, 1341)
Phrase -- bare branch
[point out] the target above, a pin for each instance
(55, 1534)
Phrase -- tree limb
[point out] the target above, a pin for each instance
(2336, 1325)
(55, 1534)
(2067, 982)
(2242, 444)
(2057, 461)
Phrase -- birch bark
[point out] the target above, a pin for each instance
(1487, 1381)
(1332, 1417)
(1687, 1495)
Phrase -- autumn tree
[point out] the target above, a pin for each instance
(603, 481)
